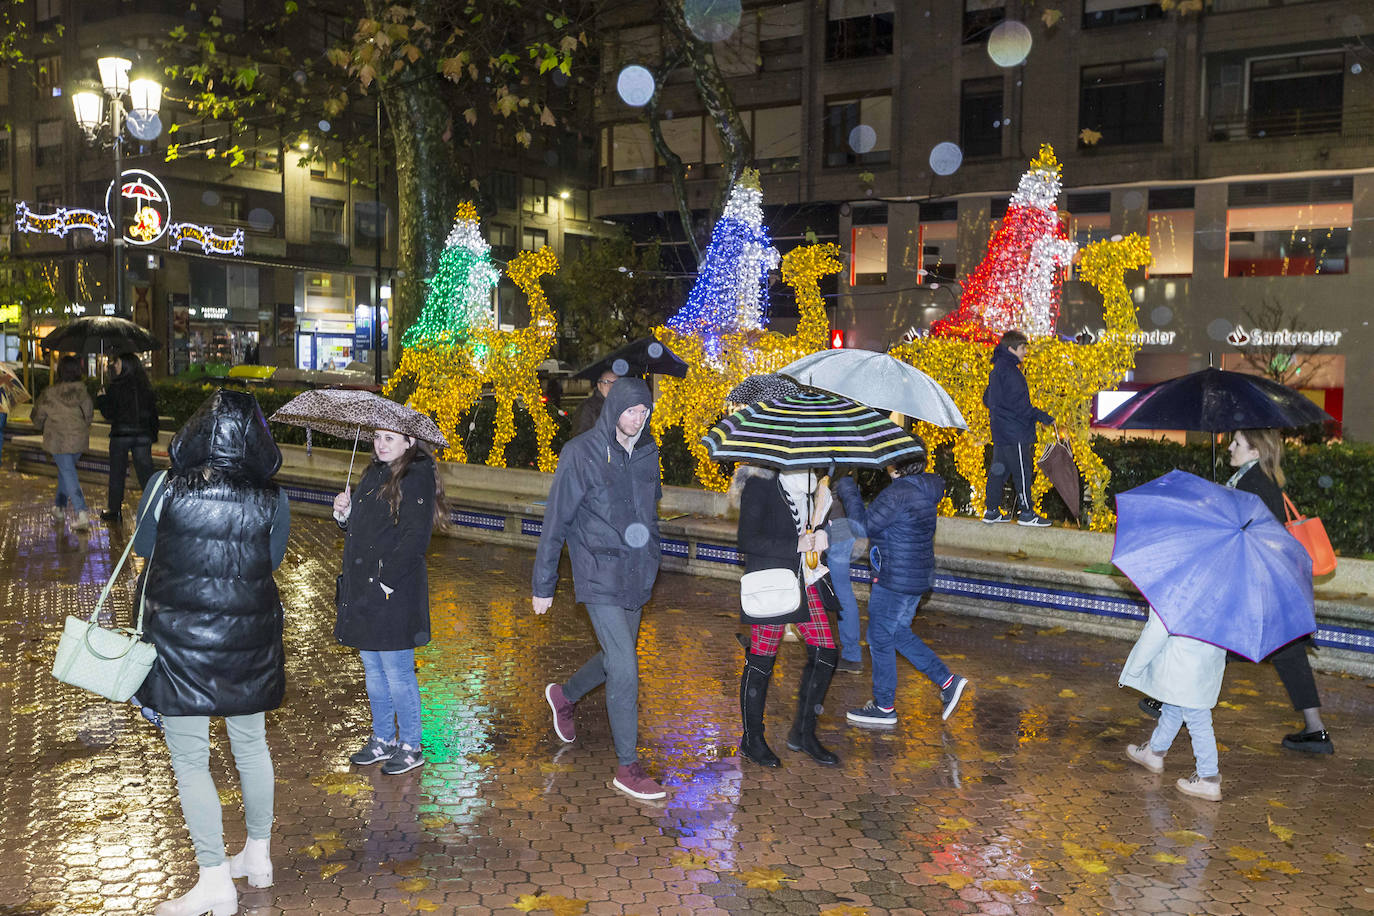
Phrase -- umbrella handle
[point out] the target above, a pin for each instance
(348, 481)
(813, 559)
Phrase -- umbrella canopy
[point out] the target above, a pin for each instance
(99, 334)
(880, 381)
(642, 357)
(762, 388)
(12, 389)
(809, 430)
(1215, 564)
(1216, 401)
(348, 413)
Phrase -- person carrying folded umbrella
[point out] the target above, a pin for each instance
(1012, 417)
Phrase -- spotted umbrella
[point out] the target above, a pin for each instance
(347, 412)
(809, 430)
(762, 388)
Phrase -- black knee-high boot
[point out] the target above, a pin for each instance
(753, 691)
(820, 667)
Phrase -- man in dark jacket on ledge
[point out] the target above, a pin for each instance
(1012, 417)
(604, 504)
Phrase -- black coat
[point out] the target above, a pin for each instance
(131, 408)
(588, 412)
(211, 605)
(1257, 482)
(603, 503)
(379, 551)
(767, 535)
(1011, 415)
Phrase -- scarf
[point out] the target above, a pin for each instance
(805, 505)
(1240, 472)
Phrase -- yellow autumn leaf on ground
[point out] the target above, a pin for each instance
(348, 784)
(409, 868)
(769, 879)
(1067, 694)
(691, 861)
(559, 906)
(1075, 851)
(1186, 836)
(1051, 631)
(1276, 804)
(955, 823)
(1283, 833)
(1281, 866)
(1168, 858)
(483, 760)
(1244, 691)
(1111, 765)
(1227, 704)
(1335, 858)
(1121, 849)
(329, 842)
(1003, 886)
(955, 881)
(844, 909)
(312, 851)
(1255, 874)
(411, 885)
(332, 869)
(27, 709)
(1092, 866)
(92, 903)
(423, 905)
(433, 821)
(1244, 853)
(229, 796)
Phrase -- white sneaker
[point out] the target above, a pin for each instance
(1146, 758)
(1208, 787)
(83, 521)
(58, 513)
(214, 893)
(253, 862)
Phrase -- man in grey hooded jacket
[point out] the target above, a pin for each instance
(603, 504)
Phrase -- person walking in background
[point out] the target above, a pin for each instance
(901, 530)
(130, 406)
(1012, 417)
(590, 410)
(383, 592)
(603, 503)
(64, 413)
(215, 532)
(1185, 674)
(776, 512)
(844, 532)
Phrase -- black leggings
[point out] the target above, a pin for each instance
(1296, 674)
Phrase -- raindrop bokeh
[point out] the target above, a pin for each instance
(637, 535)
(1218, 329)
(1133, 200)
(324, 126)
(635, 86)
(862, 139)
(1325, 482)
(712, 20)
(1161, 315)
(210, 198)
(1009, 43)
(620, 367)
(655, 350)
(945, 158)
(260, 219)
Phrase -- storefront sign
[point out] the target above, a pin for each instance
(1255, 337)
(209, 241)
(1154, 338)
(61, 222)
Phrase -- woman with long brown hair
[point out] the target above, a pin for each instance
(383, 592)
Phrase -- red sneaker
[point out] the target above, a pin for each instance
(634, 782)
(562, 712)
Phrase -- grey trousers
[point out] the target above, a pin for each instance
(188, 741)
(616, 666)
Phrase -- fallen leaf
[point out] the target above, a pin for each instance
(348, 784)
(1093, 866)
(559, 906)
(1283, 833)
(1335, 858)
(92, 903)
(769, 879)
(409, 868)
(1244, 853)
(1051, 631)
(1075, 851)
(1168, 858)
(26, 710)
(1121, 849)
(957, 823)
(844, 909)
(1276, 804)
(1003, 886)
(312, 851)
(424, 905)
(1255, 874)
(1244, 691)
(691, 861)
(332, 869)
(1227, 704)
(1067, 694)
(1111, 765)
(1280, 866)
(955, 881)
(1186, 836)
(411, 885)
(329, 841)
(433, 821)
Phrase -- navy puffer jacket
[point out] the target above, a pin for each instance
(901, 529)
(1011, 415)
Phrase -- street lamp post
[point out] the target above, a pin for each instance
(145, 97)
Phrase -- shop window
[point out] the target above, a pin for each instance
(631, 153)
(1171, 232)
(1088, 216)
(1099, 13)
(501, 186)
(777, 138)
(858, 131)
(980, 117)
(868, 246)
(534, 197)
(1287, 241)
(1123, 102)
(327, 221)
(858, 28)
(1296, 95)
(939, 239)
(979, 18)
(533, 239)
(48, 146)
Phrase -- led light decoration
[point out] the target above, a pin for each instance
(1016, 286)
(59, 223)
(459, 299)
(731, 292)
(151, 210)
(719, 361)
(210, 241)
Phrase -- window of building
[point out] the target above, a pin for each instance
(328, 169)
(578, 204)
(780, 36)
(47, 76)
(327, 221)
(1171, 232)
(777, 138)
(684, 137)
(502, 240)
(938, 237)
(628, 151)
(533, 239)
(868, 246)
(575, 244)
(371, 222)
(45, 11)
(979, 18)
(1088, 216)
(48, 144)
(6, 212)
(980, 117)
(858, 28)
(501, 186)
(267, 151)
(858, 131)
(4, 150)
(1123, 102)
(1289, 228)
(1099, 13)
(49, 195)
(327, 30)
(1296, 95)
(534, 197)
(641, 44)
(231, 206)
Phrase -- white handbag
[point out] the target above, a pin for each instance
(769, 593)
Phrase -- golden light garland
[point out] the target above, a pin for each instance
(697, 401)
(449, 379)
(1063, 378)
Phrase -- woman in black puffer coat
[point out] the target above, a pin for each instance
(214, 528)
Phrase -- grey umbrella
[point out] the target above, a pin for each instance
(878, 380)
(347, 412)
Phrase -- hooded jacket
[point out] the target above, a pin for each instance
(1007, 398)
(380, 554)
(901, 529)
(64, 413)
(211, 605)
(604, 504)
(130, 406)
(1174, 669)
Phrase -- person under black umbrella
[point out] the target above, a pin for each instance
(590, 409)
(130, 406)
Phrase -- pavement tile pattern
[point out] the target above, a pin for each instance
(1022, 803)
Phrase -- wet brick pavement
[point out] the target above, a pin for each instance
(1022, 803)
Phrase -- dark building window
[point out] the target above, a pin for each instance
(327, 221)
(48, 147)
(858, 131)
(980, 117)
(501, 185)
(858, 28)
(1123, 102)
(1099, 13)
(533, 239)
(1296, 95)
(979, 18)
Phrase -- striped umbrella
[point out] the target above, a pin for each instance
(809, 430)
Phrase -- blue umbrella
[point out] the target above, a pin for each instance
(1215, 564)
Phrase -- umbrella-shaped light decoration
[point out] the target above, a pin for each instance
(878, 380)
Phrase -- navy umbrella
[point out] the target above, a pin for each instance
(645, 356)
(1216, 401)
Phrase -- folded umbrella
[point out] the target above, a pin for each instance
(645, 356)
(878, 380)
(1057, 464)
(1215, 564)
(99, 334)
(346, 412)
(1214, 400)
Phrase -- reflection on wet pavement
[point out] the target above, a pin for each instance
(1023, 803)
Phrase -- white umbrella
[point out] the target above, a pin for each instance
(880, 381)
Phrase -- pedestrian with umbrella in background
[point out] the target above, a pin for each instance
(64, 413)
(130, 405)
(645, 356)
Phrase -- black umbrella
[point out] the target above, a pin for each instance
(642, 357)
(99, 334)
(762, 388)
(1216, 401)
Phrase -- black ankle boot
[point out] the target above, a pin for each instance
(820, 668)
(753, 691)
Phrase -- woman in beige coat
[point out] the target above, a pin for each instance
(64, 413)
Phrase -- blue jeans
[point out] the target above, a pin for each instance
(68, 484)
(394, 694)
(837, 557)
(889, 632)
(1199, 722)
